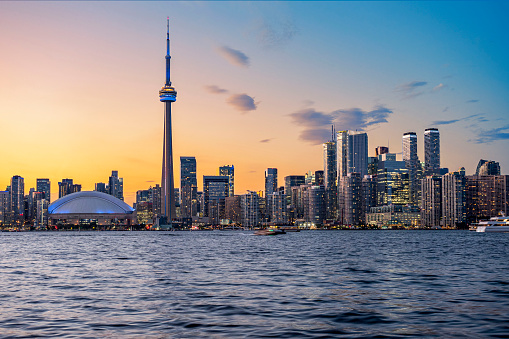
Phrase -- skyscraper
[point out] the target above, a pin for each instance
(215, 191)
(350, 199)
(17, 200)
(431, 152)
(116, 186)
(44, 186)
(454, 198)
(167, 94)
(487, 167)
(188, 187)
(270, 181)
(431, 201)
(351, 153)
(229, 171)
(412, 164)
(66, 186)
(330, 176)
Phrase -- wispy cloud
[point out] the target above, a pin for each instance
(316, 124)
(472, 101)
(215, 89)
(491, 135)
(411, 89)
(439, 87)
(233, 56)
(242, 102)
(445, 122)
(480, 118)
(266, 140)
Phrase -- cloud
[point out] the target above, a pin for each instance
(439, 87)
(445, 122)
(275, 33)
(266, 140)
(233, 56)
(495, 134)
(215, 89)
(411, 89)
(150, 181)
(445, 109)
(242, 102)
(472, 101)
(317, 124)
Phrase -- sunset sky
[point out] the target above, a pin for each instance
(259, 85)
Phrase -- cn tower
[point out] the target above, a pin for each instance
(167, 94)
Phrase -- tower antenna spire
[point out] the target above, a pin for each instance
(168, 57)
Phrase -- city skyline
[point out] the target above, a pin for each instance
(76, 121)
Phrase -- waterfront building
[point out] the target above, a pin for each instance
(42, 214)
(394, 216)
(351, 153)
(293, 180)
(313, 201)
(188, 187)
(250, 209)
(369, 196)
(412, 164)
(156, 194)
(278, 208)
(431, 201)
(44, 186)
(233, 209)
(142, 196)
(4, 208)
(90, 208)
(487, 167)
(330, 179)
(116, 186)
(17, 200)
(487, 196)
(350, 199)
(215, 190)
(431, 152)
(144, 213)
(454, 199)
(229, 171)
(392, 181)
(167, 95)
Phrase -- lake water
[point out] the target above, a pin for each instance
(312, 284)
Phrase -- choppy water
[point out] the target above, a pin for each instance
(315, 284)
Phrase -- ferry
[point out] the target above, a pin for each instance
(495, 224)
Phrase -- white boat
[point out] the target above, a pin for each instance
(495, 224)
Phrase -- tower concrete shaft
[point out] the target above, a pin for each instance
(167, 94)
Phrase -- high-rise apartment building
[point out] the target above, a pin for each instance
(487, 167)
(351, 153)
(487, 196)
(381, 150)
(454, 199)
(17, 200)
(350, 199)
(229, 171)
(330, 174)
(4, 208)
(431, 152)
(412, 164)
(101, 187)
(44, 186)
(270, 181)
(278, 208)
(313, 201)
(250, 209)
(188, 187)
(369, 196)
(431, 201)
(233, 209)
(116, 186)
(215, 190)
(392, 181)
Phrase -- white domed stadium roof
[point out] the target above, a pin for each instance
(89, 202)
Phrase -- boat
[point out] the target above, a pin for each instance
(495, 224)
(269, 231)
